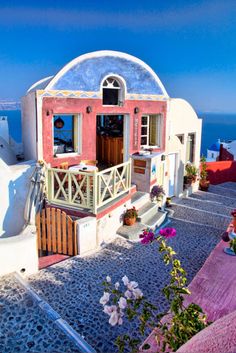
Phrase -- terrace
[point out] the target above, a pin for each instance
(85, 189)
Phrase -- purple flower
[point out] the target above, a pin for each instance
(147, 236)
(168, 232)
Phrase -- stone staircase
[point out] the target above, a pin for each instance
(211, 208)
(149, 216)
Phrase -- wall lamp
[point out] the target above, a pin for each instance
(89, 109)
(136, 110)
(48, 112)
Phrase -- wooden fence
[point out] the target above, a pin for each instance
(56, 232)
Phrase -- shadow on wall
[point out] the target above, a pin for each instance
(15, 187)
(222, 171)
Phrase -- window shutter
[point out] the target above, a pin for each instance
(153, 131)
(76, 133)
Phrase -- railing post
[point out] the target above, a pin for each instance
(95, 205)
(129, 173)
(69, 187)
(49, 184)
(114, 181)
(98, 189)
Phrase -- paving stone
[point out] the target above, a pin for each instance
(206, 206)
(200, 216)
(73, 288)
(220, 199)
(222, 190)
(24, 327)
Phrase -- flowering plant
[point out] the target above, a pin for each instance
(157, 192)
(182, 321)
(233, 213)
(131, 213)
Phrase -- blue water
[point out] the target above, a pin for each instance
(217, 126)
(14, 122)
(214, 126)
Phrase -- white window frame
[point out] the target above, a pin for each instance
(79, 134)
(159, 128)
(122, 89)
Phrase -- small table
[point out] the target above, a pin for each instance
(83, 168)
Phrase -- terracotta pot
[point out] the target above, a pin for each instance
(204, 185)
(129, 221)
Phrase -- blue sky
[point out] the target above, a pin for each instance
(191, 45)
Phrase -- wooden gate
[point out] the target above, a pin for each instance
(56, 232)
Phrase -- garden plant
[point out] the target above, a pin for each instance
(173, 328)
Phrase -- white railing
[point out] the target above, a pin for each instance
(88, 190)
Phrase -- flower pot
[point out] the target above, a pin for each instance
(204, 185)
(129, 221)
(234, 223)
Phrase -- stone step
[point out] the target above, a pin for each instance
(133, 232)
(203, 205)
(214, 198)
(148, 210)
(221, 190)
(229, 185)
(200, 216)
(139, 198)
(156, 220)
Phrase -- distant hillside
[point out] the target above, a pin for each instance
(9, 105)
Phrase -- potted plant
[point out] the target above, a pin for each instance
(168, 202)
(157, 193)
(130, 216)
(191, 173)
(203, 183)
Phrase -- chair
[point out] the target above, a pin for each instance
(89, 162)
(64, 165)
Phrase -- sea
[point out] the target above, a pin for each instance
(214, 126)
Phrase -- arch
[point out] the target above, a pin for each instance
(86, 72)
(113, 90)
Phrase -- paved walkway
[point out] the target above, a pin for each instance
(23, 325)
(73, 287)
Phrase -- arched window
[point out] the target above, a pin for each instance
(112, 92)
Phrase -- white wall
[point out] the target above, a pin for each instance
(19, 253)
(182, 120)
(6, 153)
(29, 126)
(4, 128)
(14, 187)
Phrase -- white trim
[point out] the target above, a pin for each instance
(98, 54)
(78, 116)
(119, 78)
(126, 137)
(38, 83)
(175, 174)
(39, 117)
(159, 127)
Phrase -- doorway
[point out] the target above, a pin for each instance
(172, 174)
(110, 140)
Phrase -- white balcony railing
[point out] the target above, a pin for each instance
(88, 190)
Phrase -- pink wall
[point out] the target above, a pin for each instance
(222, 171)
(75, 106)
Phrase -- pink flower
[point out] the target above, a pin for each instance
(105, 298)
(168, 232)
(122, 303)
(147, 236)
(114, 318)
